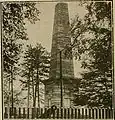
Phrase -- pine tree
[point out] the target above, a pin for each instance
(36, 63)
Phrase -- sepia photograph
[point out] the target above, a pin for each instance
(57, 60)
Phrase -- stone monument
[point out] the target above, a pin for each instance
(57, 88)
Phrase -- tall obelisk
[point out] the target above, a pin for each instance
(60, 40)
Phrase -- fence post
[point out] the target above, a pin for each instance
(68, 113)
(32, 113)
(37, 112)
(89, 113)
(85, 113)
(71, 113)
(99, 113)
(106, 113)
(96, 113)
(61, 113)
(114, 113)
(54, 111)
(79, 114)
(82, 113)
(28, 113)
(15, 113)
(58, 113)
(103, 113)
(93, 114)
(24, 115)
(45, 116)
(65, 112)
(41, 112)
(111, 113)
(75, 113)
(6, 113)
(19, 113)
(10, 115)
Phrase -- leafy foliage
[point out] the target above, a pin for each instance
(14, 30)
(13, 33)
(94, 46)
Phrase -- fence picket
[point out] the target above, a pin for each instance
(6, 113)
(65, 112)
(93, 114)
(54, 114)
(111, 113)
(24, 114)
(37, 113)
(19, 113)
(106, 112)
(68, 113)
(48, 114)
(75, 113)
(72, 113)
(89, 113)
(11, 112)
(96, 112)
(58, 113)
(61, 113)
(86, 113)
(15, 113)
(45, 113)
(99, 113)
(79, 114)
(28, 113)
(82, 113)
(102, 113)
(32, 113)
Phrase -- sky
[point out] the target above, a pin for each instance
(41, 31)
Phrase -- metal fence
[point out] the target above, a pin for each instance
(59, 113)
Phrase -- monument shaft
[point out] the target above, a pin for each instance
(57, 91)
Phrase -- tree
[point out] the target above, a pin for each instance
(14, 32)
(28, 69)
(94, 46)
(36, 70)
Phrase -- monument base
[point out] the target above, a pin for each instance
(53, 95)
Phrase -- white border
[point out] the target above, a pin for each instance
(54, 1)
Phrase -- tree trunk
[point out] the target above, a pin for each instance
(38, 96)
(9, 98)
(12, 85)
(28, 88)
(38, 88)
(12, 104)
(34, 105)
(33, 87)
